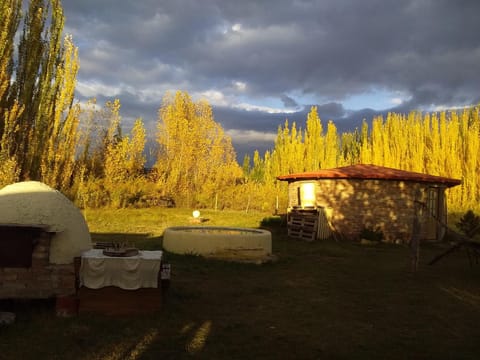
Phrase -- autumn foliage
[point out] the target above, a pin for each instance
(195, 159)
(445, 143)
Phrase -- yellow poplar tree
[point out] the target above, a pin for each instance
(288, 155)
(123, 158)
(314, 141)
(471, 134)
(331, 146)
(365, 156)
(350, 148)
(445, 144)
(57, 165)
(377, 136)
(196, 160)
(416, 157)
(10, 13)
(37, 117)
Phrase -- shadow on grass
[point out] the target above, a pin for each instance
(25, 308)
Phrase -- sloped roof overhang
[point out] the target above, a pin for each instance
(370, 172)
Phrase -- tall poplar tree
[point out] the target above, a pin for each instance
(41, 74)
(10, 15)
(332, 146)
(288, 156)
(314, 141)
(58, 158)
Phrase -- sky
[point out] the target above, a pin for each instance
(261, 62)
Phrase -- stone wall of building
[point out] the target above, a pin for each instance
(355, 204)
(41, 280)
(387, 205)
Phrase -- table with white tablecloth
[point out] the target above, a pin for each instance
(129, 273)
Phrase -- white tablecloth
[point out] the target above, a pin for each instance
(129, 273)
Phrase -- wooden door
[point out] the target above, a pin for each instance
(433, 213)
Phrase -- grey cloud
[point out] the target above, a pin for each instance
(329, 49)
(288, 101)
(325, 50)
(330, 111)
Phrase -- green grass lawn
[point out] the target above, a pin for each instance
(320, 300)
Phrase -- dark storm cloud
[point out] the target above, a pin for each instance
(283, 53)
(288, 101)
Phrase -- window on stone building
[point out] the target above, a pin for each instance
(432, 202)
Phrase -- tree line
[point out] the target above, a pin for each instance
(445, 143)
(81, 150)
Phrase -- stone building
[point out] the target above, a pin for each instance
(347, 200)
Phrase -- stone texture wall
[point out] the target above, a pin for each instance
(355, 204)
(42, 280)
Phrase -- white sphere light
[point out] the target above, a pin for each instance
(196, 214)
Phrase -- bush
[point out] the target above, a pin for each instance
(371, 233)
(274, 221)
(92, 194)
(469, 224)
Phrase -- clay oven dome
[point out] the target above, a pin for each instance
(34, 203)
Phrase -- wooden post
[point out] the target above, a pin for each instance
(248, 204)
(416, 232)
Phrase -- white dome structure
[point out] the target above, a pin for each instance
(33, 203)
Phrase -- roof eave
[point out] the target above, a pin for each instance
(441, 181)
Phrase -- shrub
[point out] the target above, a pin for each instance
(91, 193)
(371, 233)
(273, 221)
(469, 224)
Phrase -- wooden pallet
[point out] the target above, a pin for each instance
(303, 226)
